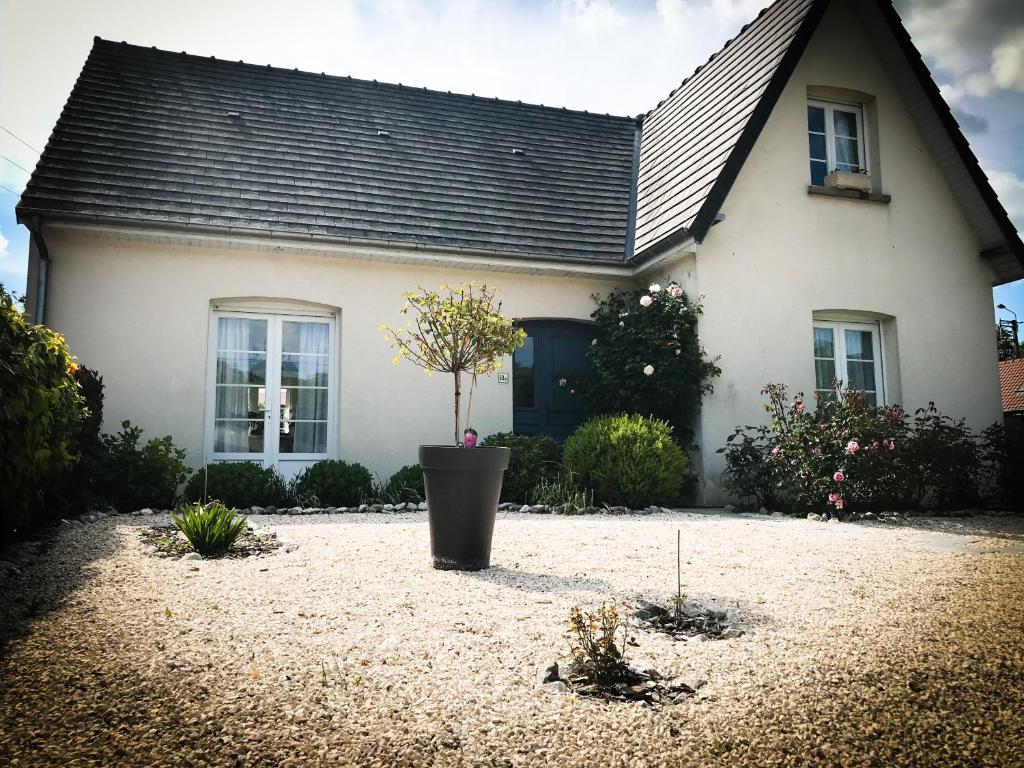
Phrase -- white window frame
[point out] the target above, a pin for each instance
(271, 456)
(839, 329)
(830, 136)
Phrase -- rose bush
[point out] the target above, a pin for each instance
(848, 454)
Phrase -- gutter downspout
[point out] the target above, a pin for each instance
(35, 229)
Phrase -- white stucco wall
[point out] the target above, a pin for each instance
(782, 254)
(139, 312)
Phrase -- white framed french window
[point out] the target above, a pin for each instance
(850, 352)
(836, 139)
(271, 387)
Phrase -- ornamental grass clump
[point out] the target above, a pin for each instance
(457, 330)
(211, 528)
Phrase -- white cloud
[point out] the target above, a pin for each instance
(978, 44)
(1010, 189)
(1008, 63)
(4, 242)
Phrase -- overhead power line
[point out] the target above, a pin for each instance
(8, 130)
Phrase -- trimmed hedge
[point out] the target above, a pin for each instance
(132, 476)
(405, 485)
(239, 485)
(627, 460)
(333, 483)
(534, 459)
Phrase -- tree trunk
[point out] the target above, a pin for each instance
(458, 397)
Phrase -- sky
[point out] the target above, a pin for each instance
(617, 56)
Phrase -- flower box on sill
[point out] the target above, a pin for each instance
(860, 182)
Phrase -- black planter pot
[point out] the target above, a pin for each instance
(463, 487)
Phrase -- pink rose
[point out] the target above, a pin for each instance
(852, 447)
(833, 498)
(839, 477)
(798, 406)
(874, 445)
(646, 301)
(776, 451)
(840, 503)
(890, 444)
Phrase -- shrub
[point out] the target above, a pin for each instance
(627, 459)
(211, 529)
(596, 651)
(646, 357)
(334, 483)
(40, 411)
(406, 485)
(131, 476)
(240, 484)
(77, 489)
(847, 454)
(534, 459)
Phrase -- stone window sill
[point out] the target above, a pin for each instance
(849, 194)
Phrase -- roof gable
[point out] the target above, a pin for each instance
(696, 141)
(158, 138)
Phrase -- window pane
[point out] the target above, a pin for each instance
(307, 338)
(859, 346)
(241, 367)
(304, 370)
(241, 334)
(816, 142)
(824, 345)
(816, 119)
(523, 375)
(861, 375)
(824, 373)
(241, 403)
(304, 404)
(847, 154)
(238, 437)
(303, 437)
(819, 170)
(845, 123)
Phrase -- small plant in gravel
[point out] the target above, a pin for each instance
(596, 652)
(211, 528)
(598, 665)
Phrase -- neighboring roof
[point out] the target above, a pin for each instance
(148, 137)
(1011, 385)
(693, 141)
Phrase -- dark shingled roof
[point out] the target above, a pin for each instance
(147, 137)
(167, 139)
(689, 138)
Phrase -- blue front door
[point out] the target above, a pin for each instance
(544, 371)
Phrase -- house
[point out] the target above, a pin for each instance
(222, 240)
(1011, 387)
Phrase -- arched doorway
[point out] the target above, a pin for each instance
(544, 370)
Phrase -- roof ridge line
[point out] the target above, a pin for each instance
(411, 88)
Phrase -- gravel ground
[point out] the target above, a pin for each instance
(865, 645)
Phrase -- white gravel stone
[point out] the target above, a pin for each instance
(869, 645)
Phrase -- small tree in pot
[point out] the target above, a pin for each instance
(458, 330)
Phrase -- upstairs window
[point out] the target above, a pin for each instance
(835, 135)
